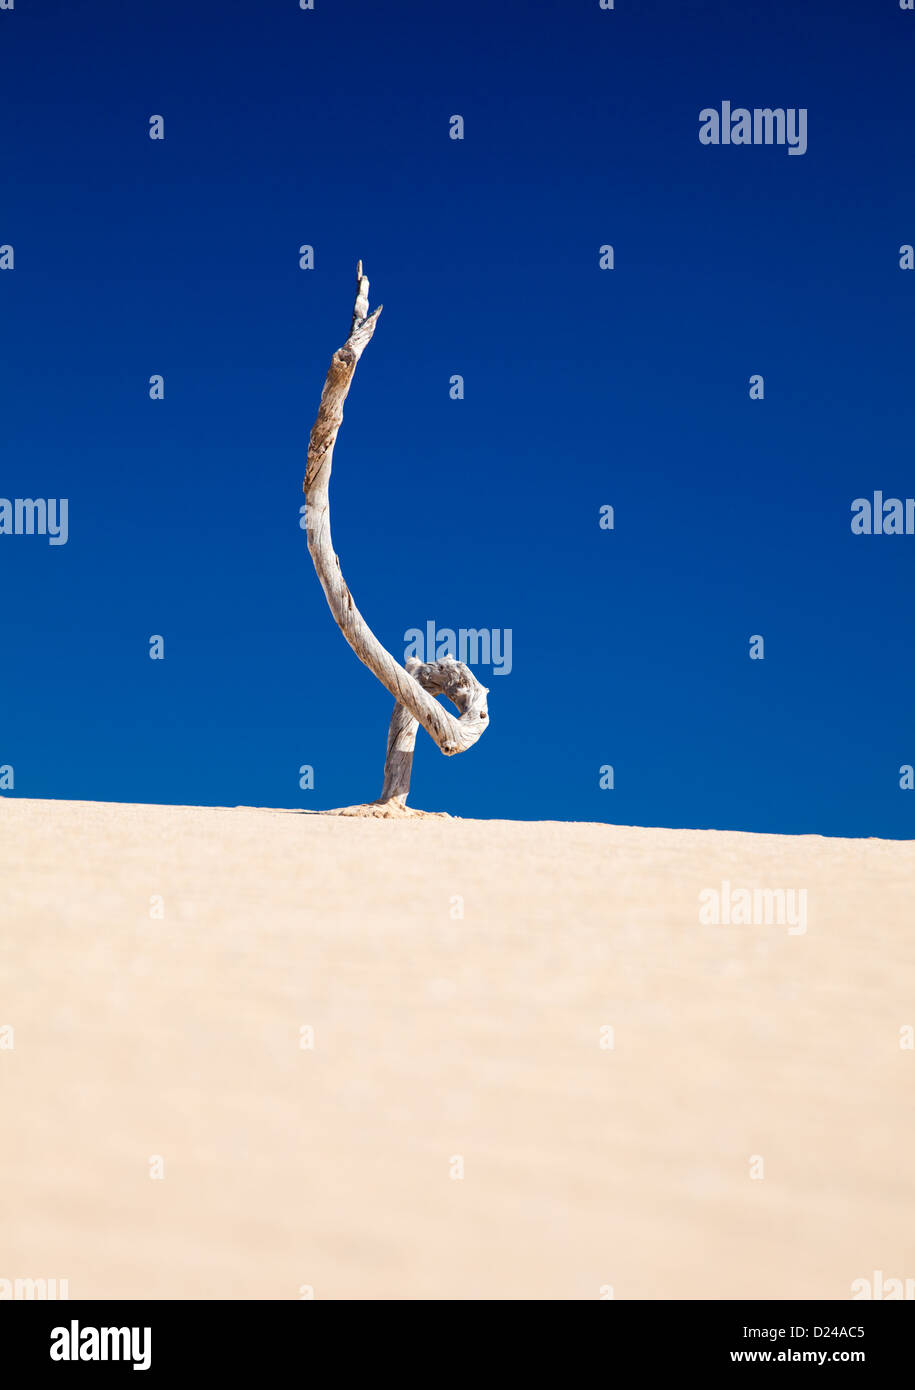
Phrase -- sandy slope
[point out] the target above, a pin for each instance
(435, 1037)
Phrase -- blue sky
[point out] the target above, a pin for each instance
(583, 387)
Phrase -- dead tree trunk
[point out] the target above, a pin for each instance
(415, 686)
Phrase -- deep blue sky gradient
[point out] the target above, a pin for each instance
(583, 387)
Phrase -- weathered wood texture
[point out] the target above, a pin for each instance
(415, 686)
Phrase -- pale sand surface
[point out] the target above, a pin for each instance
(436, 1037)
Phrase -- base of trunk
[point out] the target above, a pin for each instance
(394, 809)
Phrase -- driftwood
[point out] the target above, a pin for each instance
(415, 685)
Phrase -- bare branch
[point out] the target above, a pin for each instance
(414, 689)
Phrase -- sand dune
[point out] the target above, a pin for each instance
(440, 1037)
